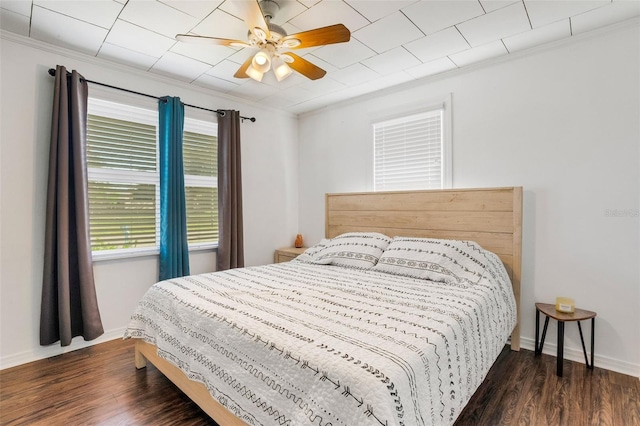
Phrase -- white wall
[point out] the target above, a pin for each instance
(561, 121)
(269, 161)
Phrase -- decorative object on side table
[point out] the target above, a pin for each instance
(565, 304)
(577, 315)
(298, 242)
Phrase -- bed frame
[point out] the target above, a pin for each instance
(492, 217)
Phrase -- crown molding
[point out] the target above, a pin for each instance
(467, 69)
(147, 75)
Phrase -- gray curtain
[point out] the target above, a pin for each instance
(230, 245)
(69, 305)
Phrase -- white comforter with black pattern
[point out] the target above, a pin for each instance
(300, 344)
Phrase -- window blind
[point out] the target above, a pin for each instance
(122, 215)
(124, 183)
(121, 157)
(408, 152)
(120, 144)
(200, 153)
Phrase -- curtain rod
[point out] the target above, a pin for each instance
(52, 72)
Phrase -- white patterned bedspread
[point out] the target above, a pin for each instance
(299, 344)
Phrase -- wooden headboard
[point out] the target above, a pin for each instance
(492, 217)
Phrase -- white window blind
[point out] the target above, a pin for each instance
(200, 152)
(122, 158)
(408, 152)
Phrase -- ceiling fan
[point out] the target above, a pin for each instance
(273, 43)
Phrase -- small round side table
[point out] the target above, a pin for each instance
(579, 315)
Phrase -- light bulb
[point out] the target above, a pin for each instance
(261, 62)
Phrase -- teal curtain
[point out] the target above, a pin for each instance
(174, 249)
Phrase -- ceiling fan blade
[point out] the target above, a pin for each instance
(253, 16)
(305, 67)
(242, 71)
(211, 40)
(320, 36)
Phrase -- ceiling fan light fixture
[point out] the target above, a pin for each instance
(281, 69)
(254, 73)
(261, 62)
(273, 43)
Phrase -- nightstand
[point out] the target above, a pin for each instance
(287, 254)
(579, 315)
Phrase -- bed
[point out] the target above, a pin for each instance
(305, 342)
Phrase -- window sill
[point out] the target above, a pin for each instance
(99, 256)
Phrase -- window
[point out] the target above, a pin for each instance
(412, 152)
(124, 200)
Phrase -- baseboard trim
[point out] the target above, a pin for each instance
(574, 354)
(43, 352)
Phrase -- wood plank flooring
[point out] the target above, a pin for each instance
(99, 385)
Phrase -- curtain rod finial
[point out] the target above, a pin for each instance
(52, 72)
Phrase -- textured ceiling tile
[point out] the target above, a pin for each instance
(61, 30)
(376, 9)
(354, 74)
(20, 7)
(222, 25)
(215, 83)
(392, 61)
(197, 8)
(97, 12)
(344, 54)
(491, 5)
(620, 10)
(180, 67)
(438, 45)
(225, 70)
(203, 53)
(157, 17)
(480, 53)
(431, 68)
(388, 33)
(329, 12)
(125, 56)
(538, 36)
(434, 16)
(545, 12)
(14, 22)
(498, 24)
(133, 37)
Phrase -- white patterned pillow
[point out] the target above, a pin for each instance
(358, 250)
(309, 255)
(450, 261)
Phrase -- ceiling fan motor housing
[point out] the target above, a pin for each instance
(269, 8)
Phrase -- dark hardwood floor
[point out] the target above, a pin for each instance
(99, 385)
